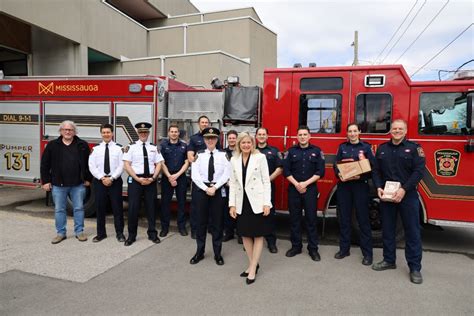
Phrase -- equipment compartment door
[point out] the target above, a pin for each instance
(19, 142)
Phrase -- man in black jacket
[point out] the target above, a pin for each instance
(65, 172)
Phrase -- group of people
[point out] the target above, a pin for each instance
(233, 190)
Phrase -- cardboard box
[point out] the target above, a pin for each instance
(389, 190)
(354, 168)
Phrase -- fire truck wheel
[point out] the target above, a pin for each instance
(89, 203)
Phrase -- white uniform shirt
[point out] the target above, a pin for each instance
(135, 156)
(96, 160)
(200, 167)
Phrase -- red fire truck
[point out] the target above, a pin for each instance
(439, 116)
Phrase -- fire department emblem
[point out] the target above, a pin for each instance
(447, 162)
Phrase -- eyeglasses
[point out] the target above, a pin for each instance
(67, 130)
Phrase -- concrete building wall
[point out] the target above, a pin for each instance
(174, 7)
(263, 52)
(211, 16)
(166, 41)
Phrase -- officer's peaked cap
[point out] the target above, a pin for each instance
(143, 127)
(211, 132)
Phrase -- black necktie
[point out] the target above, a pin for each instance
(106, 160)
(146, 167)
(210, 169)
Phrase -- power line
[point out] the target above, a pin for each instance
(437, 54)
(419, 35)
(399, 27)
(406, 29)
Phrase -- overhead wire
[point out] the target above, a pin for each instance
(421, 33)
(399, 27)
(438, 53)
(406, 29)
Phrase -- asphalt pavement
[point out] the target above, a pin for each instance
(87, 278)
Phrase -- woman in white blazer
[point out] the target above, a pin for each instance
(250, 200)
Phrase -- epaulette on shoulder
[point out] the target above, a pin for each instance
(96, 145)
(120, 145)
(201, 151)
(153, 144)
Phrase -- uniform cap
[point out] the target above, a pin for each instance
(143, 127)
(211, 132)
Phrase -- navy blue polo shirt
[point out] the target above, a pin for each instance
(347, 150)
(404, 163)
(274, 160)
(174, 154)
(303, 163)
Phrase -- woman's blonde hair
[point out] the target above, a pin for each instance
(240, 138)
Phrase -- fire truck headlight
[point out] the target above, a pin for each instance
(149, 87)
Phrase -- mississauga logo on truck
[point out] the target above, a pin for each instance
(51, 88)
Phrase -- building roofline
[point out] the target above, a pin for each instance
(217, 11)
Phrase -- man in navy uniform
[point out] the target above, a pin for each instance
(229, 222)
(401, 161)
(196, 143)
(174, 151)
(303, 167)
(210, 172)
(275, 168)
(106, 165)
(142, 161)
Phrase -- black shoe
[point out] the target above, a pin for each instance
(239, 240)
(272, 248)
(196, 258)
(250, 281)
(340, 255)
(293, 252)
(367, 261)
(245, 274)
(193, 235)
(98, 238)
(155, 239)
(163, 233)
(416, 277)
(314, 254)
(383, 265)
(129, 242)
(227, 237)
(183, 232)
(219, 260)
(120, 238)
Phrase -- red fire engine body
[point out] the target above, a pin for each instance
(439, 117)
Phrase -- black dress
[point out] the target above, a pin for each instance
(250, 224)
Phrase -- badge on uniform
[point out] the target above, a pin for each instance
(421, 153)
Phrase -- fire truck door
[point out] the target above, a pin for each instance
(19, 142)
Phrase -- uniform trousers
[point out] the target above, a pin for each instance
(409, 213)
(193, 212)
(209, 205)
(135, 192)
(296, 203)
(114, 195)
(167, 191)
(229, 222)
(354, 194)
(271, 238)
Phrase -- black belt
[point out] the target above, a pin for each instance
(210, 184)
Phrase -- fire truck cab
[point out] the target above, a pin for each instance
(438, 114)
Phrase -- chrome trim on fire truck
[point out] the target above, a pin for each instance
(440, 222)
(277, 88)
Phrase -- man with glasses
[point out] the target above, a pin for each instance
(65, 172)
(142, 161)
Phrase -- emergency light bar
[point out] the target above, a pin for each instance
(374, 80)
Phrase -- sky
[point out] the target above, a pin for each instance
(323, 31)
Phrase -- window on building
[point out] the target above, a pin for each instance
(374, 113)
(443, 113)
(321, 112)
(320, 84)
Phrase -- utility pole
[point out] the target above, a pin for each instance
(356, 48)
